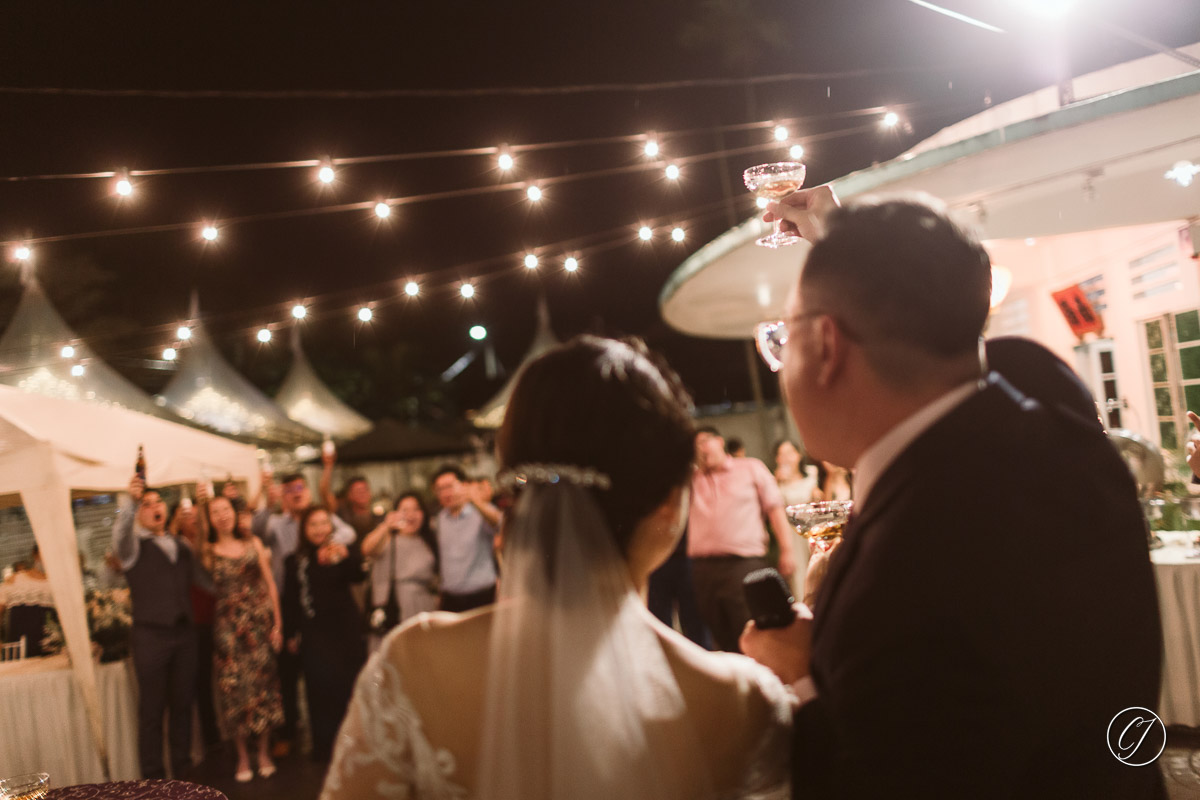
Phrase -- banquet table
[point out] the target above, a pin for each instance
(1177, 575)
(45, 728)
(137, 790)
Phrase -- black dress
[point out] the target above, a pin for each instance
(319, 606)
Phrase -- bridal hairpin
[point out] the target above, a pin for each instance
(551, 474)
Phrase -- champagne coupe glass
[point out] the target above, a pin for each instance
(774, 182)
(25, 787)
(821, 523)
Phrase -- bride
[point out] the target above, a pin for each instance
(567, 687)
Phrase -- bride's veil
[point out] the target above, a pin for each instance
(581, 699)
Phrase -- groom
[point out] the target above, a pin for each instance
(992, 608)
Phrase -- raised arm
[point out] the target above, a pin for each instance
(326, 483)
(125, 542)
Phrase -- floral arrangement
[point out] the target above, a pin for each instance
(110, 618)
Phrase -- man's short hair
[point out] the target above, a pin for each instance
(353, 480)
(449, 469)
(291, 477)
(899, 270)
(733, 445)
(709, 429)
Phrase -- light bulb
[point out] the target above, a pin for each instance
(796, 152)
(68, 351)
(299, 311)
(210, 233)
(383, 210)
(264, 335)
(677, 234)
(325, 174)
(781, 133)
(184, 333)
(478, 333)
(412, 289)
(534, 194)
(505, 162)
(651, 148)
(467, 290)
(169, 354)
(672, 172)
(77, 370)
(891, 119)
(365, 314)
(531, 261)
(571, 264)
(644, 233)
(22, 253)
(123, 187)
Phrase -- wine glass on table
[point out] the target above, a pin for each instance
(821, 523)
(25, 787)
(775, 182)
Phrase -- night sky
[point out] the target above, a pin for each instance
(126, 294)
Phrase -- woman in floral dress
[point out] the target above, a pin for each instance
(247, 633)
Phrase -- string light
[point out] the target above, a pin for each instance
(672, 172)
(412, 289)
(796, 152)
(22, 252)
(645, 234)
(169, 354)
(326, 173)
(122, 186)
(264, 335)
(571, 264)
(365, 314)
(781, 133)
(68, 351)
(478, 333)
(383, 210)
(677, 234)
(210, 233)
(467, 290)
(77, 371)
(650, 149)
(505, 161)
(183, 333)
(891, 119)
(299, 311)
(531, 261)
(534, 194)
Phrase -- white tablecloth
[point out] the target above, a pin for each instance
(1178, 579)
(43, 727)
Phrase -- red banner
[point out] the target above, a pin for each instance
(1078, 312)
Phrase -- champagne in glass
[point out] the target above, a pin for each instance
(25, 787)
(774, 182)
(821, 523)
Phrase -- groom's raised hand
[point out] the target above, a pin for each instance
(785, 651)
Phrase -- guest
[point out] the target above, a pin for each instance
(403, 553)
(323, 624)
(996, 567)
(567, 687)
(247, 633)
(27, 597)
(466, 535)
(160, 569)
(797, 479)
(726, 537)
(281, 533)
(186, 523)
(836, 483)
(736, 448)
(353, 505)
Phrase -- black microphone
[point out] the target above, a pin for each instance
(769, 598)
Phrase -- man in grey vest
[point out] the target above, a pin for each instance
(160, 569)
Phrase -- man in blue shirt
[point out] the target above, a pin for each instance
(467, 527)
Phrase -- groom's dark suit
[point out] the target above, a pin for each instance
(990, 610)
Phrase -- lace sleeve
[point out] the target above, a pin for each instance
(768, 772)
(381, 750)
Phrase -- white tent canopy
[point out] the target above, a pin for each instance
(49, 446)
(306, 399)
(492, 414)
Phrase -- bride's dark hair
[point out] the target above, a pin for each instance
(611, 405)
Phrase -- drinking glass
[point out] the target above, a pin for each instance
(774, 182)
(33, 786)
(821, 523)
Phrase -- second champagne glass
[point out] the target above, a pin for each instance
(774, 182)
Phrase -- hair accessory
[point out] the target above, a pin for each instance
(551, 474)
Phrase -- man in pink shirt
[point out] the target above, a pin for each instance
(726, 536)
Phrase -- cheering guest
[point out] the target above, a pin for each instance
(797, 479)
(188, 524)
(281, 533)
(323, 623)
(160, 569)
(247, 632)
(403, 553)
(353, 505)
(466, 537)
(726, 537)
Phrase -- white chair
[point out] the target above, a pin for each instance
(14, 651)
